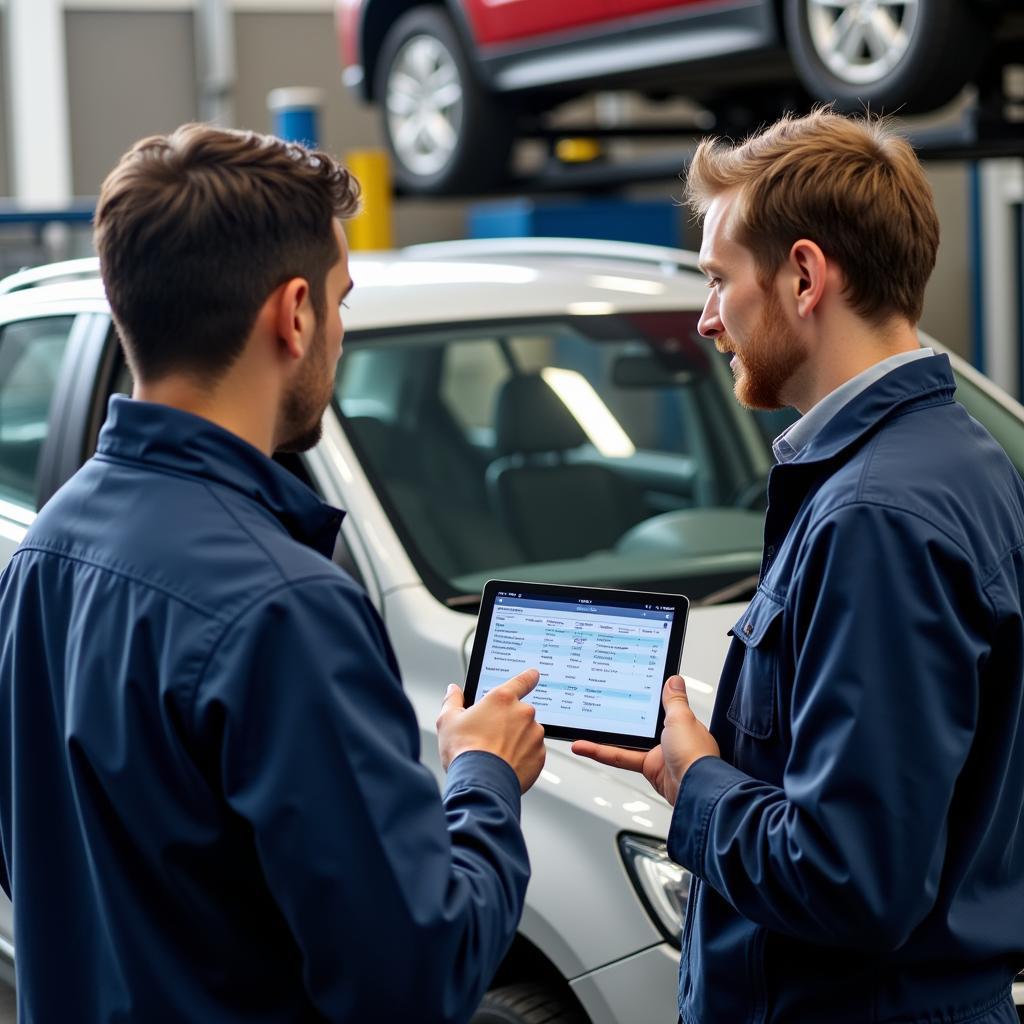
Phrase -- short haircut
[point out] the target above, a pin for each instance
(848, 184)
(196, 229)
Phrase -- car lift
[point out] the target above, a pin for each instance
(985, 131)
(988, 139)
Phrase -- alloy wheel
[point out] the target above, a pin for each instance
(424, 105)
(862, 41)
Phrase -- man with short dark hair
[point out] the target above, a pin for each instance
(855, 815)
(211, 806)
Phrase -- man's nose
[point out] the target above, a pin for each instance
(710, 325)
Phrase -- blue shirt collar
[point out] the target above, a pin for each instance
(159, 435)
(788, 445)
(916, 383)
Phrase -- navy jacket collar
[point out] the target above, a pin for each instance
(922, 382)
(180, 442)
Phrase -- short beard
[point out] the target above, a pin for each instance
(304, 404)
(770, 359)
(303, 442)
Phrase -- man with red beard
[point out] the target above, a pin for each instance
(853, 818)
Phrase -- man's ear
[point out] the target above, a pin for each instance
(293, 316)
(809, 272)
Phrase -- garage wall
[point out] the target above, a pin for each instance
(275, 50)
(148, 85)
(947, 309)
(130, 74)
(5, 188)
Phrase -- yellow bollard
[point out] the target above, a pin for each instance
(578, 150)
(372, 227)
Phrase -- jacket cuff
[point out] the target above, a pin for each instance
(480, 769)
(702, 787)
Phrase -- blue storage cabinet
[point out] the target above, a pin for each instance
(655, 221)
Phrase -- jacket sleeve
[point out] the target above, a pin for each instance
(888, 628)
(403, 904)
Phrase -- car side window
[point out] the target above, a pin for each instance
(30, 356)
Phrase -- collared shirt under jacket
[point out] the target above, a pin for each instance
(860, 844)
(211, 806)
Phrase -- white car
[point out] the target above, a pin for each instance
(452, 475)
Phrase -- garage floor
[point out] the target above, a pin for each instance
(8, 1007)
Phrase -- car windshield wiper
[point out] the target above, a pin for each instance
(734, 592)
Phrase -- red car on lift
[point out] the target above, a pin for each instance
(456, 79)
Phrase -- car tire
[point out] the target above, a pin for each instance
(938, 47)
(447, 134)
(528, 1003)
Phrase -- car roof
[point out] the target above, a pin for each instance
(51, 273)
(516, 278)
(446, 282)
(512, 278)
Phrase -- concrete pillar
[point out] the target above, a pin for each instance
(998, 258)
(39, 135)
(215, 57)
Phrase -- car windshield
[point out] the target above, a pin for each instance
(592, 449)
(603, 450)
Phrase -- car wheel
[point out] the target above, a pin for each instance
(446, 133)
(527, 1003)
(884, 54)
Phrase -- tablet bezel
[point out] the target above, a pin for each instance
(597, 595)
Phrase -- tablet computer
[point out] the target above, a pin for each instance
(603, 656)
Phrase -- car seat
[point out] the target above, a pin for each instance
(548, 484)
(454, 534)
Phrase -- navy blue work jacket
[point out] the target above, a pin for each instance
(211, 806)
(860, 844)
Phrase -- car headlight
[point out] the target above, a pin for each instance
(663, 886)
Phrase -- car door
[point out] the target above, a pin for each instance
(529, 22)
(32, 353)
(505, 22)
(32, 350)
(626, 8)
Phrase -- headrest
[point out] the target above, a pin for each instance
(378, 439)
(532, 418)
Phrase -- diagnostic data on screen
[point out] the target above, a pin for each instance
(601, 666)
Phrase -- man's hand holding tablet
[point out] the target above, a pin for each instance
(501, 724)
(603, 656)
(684, 740)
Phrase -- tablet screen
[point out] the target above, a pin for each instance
(603, 655)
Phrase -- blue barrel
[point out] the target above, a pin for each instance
(295, 114)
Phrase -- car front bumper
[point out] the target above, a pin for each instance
(639, 989)
(6, 962)
(642, 988)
